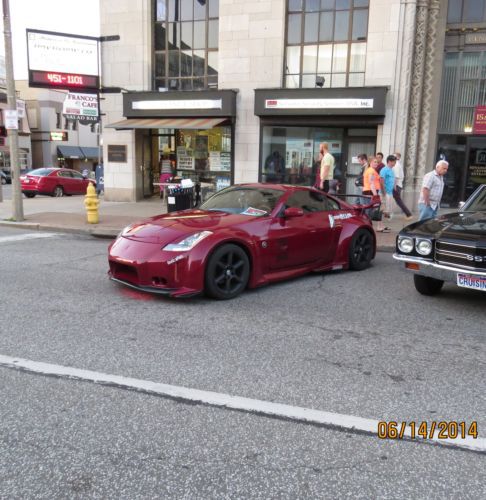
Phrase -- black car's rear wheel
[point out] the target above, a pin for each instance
(227, 272)
(426, 285)
(360, 250)
(58, 191)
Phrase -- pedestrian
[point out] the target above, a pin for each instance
(379, 157)
(397, 192)
(372, 186)
(363, 161)
(387, 181)
(432, 189)
(327, 166)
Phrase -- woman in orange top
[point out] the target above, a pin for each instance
(371, 178)
(371, 187)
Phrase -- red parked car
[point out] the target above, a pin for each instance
(53, 182)
(244, 236)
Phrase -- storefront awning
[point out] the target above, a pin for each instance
(181, 123)
(90, 152)
(71, 152)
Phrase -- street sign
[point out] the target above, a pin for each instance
(11, 118)
(82, 107)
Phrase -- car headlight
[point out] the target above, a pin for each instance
(405, 244)
(187, 243)
(423, 247)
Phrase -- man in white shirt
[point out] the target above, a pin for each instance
(397, 191)
(432, 189)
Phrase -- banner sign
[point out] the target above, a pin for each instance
(82, 107)
(479, 125)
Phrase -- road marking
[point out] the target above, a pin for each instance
(27, 236)
(266, 408)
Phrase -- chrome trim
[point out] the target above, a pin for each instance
(435, 270)
(443, 242)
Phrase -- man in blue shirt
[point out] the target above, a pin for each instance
(387, 181)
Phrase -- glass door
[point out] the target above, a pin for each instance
(476, 165)
(353, 168)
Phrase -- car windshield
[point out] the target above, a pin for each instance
(477, 201)
(41, 171)
(244, 200)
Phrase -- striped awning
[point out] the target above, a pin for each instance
(185, 123)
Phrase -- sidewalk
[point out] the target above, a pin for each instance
(67, 214)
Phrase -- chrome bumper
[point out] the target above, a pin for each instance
(437, 271)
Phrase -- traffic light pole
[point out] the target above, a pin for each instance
(13, 135)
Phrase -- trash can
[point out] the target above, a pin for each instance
(179, 198)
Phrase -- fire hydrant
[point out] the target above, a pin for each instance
(91, 203)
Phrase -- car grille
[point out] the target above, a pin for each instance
(460, 254)
(124, 272)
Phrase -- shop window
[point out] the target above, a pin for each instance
(322, 40)
(185, 43)
(291, 154)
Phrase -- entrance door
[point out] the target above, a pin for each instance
(353, 167)
(147, 174)
(476, 165)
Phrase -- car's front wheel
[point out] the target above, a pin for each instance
(29, 195)
(58, 191)
(427, 286)
(227, 272)
(360, 250)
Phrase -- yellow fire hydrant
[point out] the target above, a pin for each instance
(91, 203)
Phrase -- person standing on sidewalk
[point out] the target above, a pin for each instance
(327, 167)
(372, 186)
(387, 181)
(397, 191)
(432, 189)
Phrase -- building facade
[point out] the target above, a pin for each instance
(230, 91)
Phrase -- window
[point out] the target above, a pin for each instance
(185, 42)
(463, 88)
(466, 11)
(326, 38)
(311, 201)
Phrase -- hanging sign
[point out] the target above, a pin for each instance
(11, 119)
(479, 125)
(82, 107)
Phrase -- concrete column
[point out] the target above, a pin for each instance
(427, 91)
(418, 70)
(402, 82)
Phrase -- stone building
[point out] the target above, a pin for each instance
(230, 91)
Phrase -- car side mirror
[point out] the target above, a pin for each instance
(293, 212)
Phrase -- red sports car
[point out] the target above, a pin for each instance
(53, 182)
(244, 236)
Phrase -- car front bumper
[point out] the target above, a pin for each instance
(433, 270)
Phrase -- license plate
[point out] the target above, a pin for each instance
(470, 281)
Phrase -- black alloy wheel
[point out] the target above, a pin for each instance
(426, 285)
(360, 250)
(58, 191)
(227, 272)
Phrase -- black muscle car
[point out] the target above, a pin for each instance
(451, 248)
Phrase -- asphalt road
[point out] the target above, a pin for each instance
(362, 344)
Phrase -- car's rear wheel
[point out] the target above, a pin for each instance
(227, 272)
(58, 191)
(29, 195)
(360, 250)
(426, 285)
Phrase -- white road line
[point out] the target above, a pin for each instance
(27, 236)
(266, 408)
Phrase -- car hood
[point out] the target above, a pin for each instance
(458, 225)
(163, 229)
